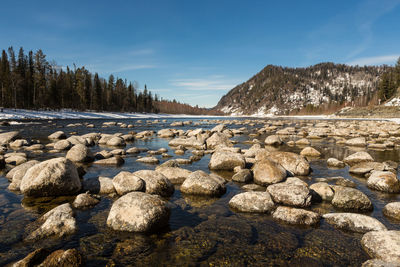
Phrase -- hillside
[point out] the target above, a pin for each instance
(283, 90)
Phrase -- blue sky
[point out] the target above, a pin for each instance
(196, 51)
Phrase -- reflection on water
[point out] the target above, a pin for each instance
(201, 230)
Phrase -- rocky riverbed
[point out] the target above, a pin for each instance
(200, 192)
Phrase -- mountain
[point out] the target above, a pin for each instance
(283, 90)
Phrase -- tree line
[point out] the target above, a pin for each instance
(30, 81)
(389, 83)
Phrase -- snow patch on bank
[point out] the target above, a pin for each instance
(395, 102)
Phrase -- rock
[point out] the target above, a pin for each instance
(25, 166)
(259, 202)
(383, 245)
(85, 200)
(58, 222)
(104, 154)
(354, 222)
(75, 140)
(324, 190)
(294, 163)
(273, 140)
(80, 153)
(291, 194)
(19, 143)
(115, 161)
(351, 199)
(149, 160)
(175, 174)
(366, 167)
(303, 142)
(6, 138)
(165, 133)
(295, 216)
(384, 181)
(125, 182)
(243, 176)
(268, 172)
(116, 141)
(201, 183)
(224, 160)
(53, 177)
(62, 145)
(132, 150)
(310, 152)
(253, 187)
(358, 141)
(344, 182)
(69, 257)
(57, 135)
(155, 183)
(188, 142)
(138, 212)
(379, 263)
(32, 259)
(218, 139)
(99, 185)
(15, 160)
(358, 157)
(392, 210)
(19, 173)
(218, 128)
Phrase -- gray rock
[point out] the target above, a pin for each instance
(392, 210)
(62, 145)
(125, 182)
(259, 202)
(243, 176)
(358, 141)
(273, 140)
(201, 183)
(358, 157)
(379, 263)
(383, 245)
(99, 185)
(113, 161)
(149, 160)
(351, 199)
(294, 163)
(85, 200)
(138, 212)
(57, 135)
(156, 183)
(80, 153)
(53, 177)
(324, 190)
(224, 160)
(295, 216)
(6, 138)
(19, 173)
(384, 181)
(175, 174)
(290, 193)
(354, 222)
(268, 172)
(116, 141)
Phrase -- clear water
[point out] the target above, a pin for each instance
(201, 231)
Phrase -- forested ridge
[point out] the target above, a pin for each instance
(30, 81)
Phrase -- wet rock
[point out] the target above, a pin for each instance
(358, 141)
(354, 222)
(379, 263)
(273, 140)
(7, 137)
(99, 185)
(384, 181)
(138, 212)
(253, 187)
(295, 216)
(383, 245)
(57, 222)
(201, 183)
(259, 202)
(224, 160)
(303, 142)
(52, 177)
(218, 139)
(57, 135)
(344, 182)
(392, 210)
(358, 157)
(364, 168)
(19, 143)
(69, 257)
(75, 140)
(85, 200)
(243, 176)
(62, 145)
(25, 166)
(35, 147)
(310, 152)
(113, 161)
(149, 160)
(116, 141)
(19, 174)
(175, 174)
(15, 160)
(188, 142)
(80, 153)
(351, 199)
(155, 183)
(218, 128)
(294, 163)
(324, 190)
(165, 133)
(268, 172)
(125, 182)
(32, 259)
(290, 193)
(132, 150)
(104, 154)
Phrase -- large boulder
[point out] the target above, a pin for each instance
(293, 163)
(268, 172)
(293, 192)
(53, 177)
(218, 139)
(62, 145)
(259, 202)
(80, 153)
(310, 152)
(166, 133)
(358, 157)
(383, 245)
(295, 216)
(392, 210)
(225, 160)
(138, 212)
(125, 182)
(384, 181)
(116, 141)
(358, 141)
(155, 183)
(273, 140)
(6, 138)
(175, 174)
(201, 183)
(19, 173)
(324, 190)
(347, 198)
(57, 222)
(57, 135)
(354, 222)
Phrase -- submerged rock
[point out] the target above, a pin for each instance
(354, 222)
(138, 212)
(295, 216)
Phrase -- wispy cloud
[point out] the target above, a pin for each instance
(377, 60)
(213, 83)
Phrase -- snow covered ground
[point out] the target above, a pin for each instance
(18, 114)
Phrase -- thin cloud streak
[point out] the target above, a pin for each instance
(378, 60)
(204, 84)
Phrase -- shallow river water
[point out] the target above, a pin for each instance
(201, 231)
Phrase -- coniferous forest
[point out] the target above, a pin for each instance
(30, 81)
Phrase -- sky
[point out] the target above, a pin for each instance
(196, 51)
